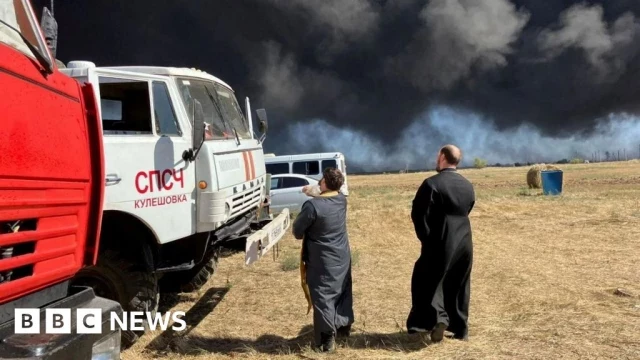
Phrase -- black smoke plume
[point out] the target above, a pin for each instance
(388, 82)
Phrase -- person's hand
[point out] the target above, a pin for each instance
(311, 190)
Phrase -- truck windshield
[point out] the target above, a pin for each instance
(222, 114)
(16, 20)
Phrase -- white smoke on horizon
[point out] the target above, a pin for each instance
(477, 138)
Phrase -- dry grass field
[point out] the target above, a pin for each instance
(544, 281)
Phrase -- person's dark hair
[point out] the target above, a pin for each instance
(452, 154)
(333, 178)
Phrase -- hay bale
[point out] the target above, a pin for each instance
(534, 180)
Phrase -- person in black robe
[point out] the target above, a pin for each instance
(322, 226)
(440, 284)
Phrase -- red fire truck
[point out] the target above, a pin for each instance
(51, 196)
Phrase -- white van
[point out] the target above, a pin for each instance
(310, 165)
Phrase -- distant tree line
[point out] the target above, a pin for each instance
(597, 156)
(479, 163)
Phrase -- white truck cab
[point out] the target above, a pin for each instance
(184, 173)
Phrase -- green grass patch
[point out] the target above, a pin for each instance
(355, 257)
(290, 262)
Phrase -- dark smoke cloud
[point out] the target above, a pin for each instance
(340, 23)
(457, 35)
(398, 78)
(607, 48)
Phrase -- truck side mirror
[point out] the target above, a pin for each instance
(198, 131)
(50, 30)
(263, 127)
(262, 116)
(198, 124)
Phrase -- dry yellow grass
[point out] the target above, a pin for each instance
(543, 283)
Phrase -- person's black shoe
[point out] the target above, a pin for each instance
(415, 330)
(344, 331)
(437, 334)
(457, 335)
(328, 342)
(463, 337)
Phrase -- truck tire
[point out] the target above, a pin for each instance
(130, 283)
(190, 280)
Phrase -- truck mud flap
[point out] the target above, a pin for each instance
(260, 242)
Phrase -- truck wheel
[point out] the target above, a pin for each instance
(190, 280)
(131, 284)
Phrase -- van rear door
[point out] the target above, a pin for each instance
(343, 167)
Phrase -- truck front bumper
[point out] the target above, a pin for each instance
(259, 243)
(105, 344)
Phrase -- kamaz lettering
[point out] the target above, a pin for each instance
(160, 201)
(144, 180)
(237, 189)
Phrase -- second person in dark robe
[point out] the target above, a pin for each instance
(441, 281)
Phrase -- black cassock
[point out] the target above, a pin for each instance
(440, 285)
(322, 223)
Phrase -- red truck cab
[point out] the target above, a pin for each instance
(51, 192)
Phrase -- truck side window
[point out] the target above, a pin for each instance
(166, 120)
(126, 106)
(15, 14)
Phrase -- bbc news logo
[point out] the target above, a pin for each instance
(89, 321)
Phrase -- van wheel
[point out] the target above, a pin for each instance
(129, 283)
(193, 279)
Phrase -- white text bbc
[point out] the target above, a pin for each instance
(89, 321)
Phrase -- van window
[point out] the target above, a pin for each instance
(277, 168)
(166, 121)
(289, 182)
(329, 164)
(306, 168)
(127, 106)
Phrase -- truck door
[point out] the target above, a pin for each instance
(144, 142)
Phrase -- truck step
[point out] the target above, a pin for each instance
(182, 267)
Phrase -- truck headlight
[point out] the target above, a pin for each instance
(107, 348)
